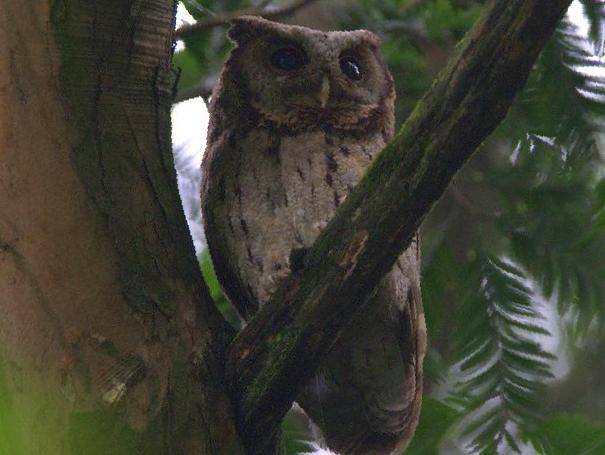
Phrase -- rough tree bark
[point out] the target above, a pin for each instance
(108, 340)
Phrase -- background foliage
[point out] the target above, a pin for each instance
(513, 275)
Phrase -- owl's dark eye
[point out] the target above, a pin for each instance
(350, 67)
(289, 58)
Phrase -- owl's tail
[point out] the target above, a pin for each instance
(366, 398)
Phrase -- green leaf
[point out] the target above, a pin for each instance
(191, 71)
(295, 434)
(223, 305)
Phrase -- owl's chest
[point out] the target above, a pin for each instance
(283, 193)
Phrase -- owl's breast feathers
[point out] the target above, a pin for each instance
(268, 196)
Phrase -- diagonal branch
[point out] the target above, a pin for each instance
(279, 351)
(225, 18)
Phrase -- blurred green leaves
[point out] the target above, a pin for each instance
(561, 246)
(570, 434)
(444, 18)
(435, 419)
(191, 69)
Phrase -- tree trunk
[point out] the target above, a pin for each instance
(109, 342)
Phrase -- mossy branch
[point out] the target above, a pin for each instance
(279, 351)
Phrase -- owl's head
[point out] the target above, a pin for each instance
(298, 77)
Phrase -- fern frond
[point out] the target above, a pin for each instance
(582, 55)
(565, 96)
(553, 216)
(595, 11)
(503, 365)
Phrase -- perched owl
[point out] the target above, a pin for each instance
(297, 117)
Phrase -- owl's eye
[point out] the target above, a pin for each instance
(350, 67)
(289, 58)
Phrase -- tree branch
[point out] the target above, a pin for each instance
(279, 351)
(225, 18)
(203, 89)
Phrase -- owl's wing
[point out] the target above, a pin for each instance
(366, 398)
(218, 171)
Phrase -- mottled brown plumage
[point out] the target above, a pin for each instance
(295, 121)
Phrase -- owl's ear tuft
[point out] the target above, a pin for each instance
(244, 28)
(370, 38)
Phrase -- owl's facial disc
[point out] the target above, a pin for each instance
(303, 78)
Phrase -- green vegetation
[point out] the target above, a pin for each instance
(11, 437)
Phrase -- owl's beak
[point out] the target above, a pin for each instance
(324, 92)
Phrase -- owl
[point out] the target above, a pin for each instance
(297, 117)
